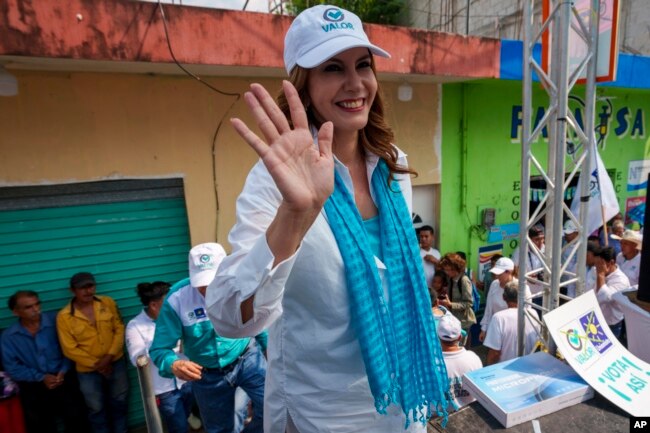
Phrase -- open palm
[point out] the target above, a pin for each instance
(303, 173)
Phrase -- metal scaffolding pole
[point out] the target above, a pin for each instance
(560, 121)
(151, 414)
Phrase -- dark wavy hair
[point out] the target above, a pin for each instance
(152, 291)
(376, 137)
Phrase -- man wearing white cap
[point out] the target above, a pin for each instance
(629, 259)
(501, 339)
(216, 365)
(458, 360)
(503, 272)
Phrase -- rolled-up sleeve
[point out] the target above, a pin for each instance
(249, 270)
(605, 293)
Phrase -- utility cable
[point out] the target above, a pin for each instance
(218, 128)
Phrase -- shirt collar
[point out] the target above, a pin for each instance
(95, 298)
(18, 328)
(15, 328)
(47, 321)
(145, 316)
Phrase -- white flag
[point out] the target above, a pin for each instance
(602, 197)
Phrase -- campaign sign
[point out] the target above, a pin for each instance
(637, 175)
(586, 342)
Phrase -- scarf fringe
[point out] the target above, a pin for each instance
(387, 398)
(401, 353)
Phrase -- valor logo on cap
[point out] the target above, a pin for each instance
(334, 15)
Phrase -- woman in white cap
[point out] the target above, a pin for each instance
(324, 251)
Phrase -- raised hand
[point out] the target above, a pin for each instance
(303, 173)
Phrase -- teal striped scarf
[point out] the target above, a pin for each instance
(399, 345)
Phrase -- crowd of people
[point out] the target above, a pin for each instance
(612, 266)
(71, 365)
(302, 328)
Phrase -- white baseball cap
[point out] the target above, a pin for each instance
(204, 260)
(449, 328)
(502, 265)
(321, 32)
(569, 227)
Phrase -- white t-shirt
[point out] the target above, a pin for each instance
(316, 374)
(495, 303)
(502, 334)
(458, 363)
(630, 267)
(429, 269)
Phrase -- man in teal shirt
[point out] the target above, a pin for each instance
(217, 365)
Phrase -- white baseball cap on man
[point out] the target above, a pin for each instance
(321, 32)
(569, 227)
(204, 261)
(502, 265)
(449, 328)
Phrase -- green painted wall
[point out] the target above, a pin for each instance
(481, 162)
(122, 244)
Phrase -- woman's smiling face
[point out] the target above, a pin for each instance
(342, 90)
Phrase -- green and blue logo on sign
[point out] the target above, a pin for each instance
(335, 17)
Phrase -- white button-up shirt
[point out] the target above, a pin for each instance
(139, 336)
(532, 262)
(630, 267)
(316, 374)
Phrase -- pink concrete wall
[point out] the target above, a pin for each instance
(124, 30)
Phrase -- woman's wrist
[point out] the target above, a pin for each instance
(287, 230)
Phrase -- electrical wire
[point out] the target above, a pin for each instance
(171, 52)
(218, 128)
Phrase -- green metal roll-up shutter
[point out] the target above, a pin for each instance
(124, 232)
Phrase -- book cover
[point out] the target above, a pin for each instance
(526, 388)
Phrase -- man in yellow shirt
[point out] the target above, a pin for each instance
(91, 333)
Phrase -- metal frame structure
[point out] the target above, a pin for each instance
(559, 119)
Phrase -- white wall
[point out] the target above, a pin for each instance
(502, 19)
